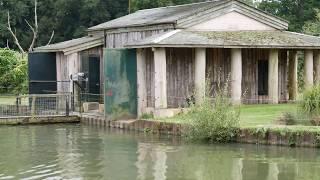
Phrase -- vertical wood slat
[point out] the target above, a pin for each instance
(118, 40)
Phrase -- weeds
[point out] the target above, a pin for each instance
(215, 119)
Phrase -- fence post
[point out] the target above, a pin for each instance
(17, 105)
(33, 106)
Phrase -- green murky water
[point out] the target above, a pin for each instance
(83, 152)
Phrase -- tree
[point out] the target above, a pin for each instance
(313, 27)
(13, 72)
(297, 12)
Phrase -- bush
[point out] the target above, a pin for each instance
(215, 120)
(13, 72)
(310, 103)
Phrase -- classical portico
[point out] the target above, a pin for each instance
(254, 75)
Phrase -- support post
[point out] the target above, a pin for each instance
(141, 84)
(200, 74)
(236, 75)
(308, 69)
(317, 67)
(160, 79)
(293, 75)
(273, 79)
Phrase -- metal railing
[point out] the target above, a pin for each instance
(35, 105)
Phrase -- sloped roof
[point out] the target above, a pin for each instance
(230, 39)
(71, 46)
(172, 14)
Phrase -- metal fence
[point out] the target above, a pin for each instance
(35, 105)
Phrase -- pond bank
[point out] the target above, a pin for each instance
(295, 136)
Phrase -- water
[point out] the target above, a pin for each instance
(83, 152)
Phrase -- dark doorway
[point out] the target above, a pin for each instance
(90, 66)
(94, 75)
(263, 77)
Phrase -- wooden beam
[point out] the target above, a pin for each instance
(236, 75)
(308, 68)
(160, 79)
(273, 79)
(293, 75)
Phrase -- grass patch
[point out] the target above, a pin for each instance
(251, 115)
(263, 114)
(8, 100)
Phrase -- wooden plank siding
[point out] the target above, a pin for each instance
(97, 52)
(218, 69)
(250, 59)
(283, 76)
(180, 76)
(150, 77)
(118, 40)
(70, 64)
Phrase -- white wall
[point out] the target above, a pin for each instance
(232, 21)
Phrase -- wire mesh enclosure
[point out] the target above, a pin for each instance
(35, 105)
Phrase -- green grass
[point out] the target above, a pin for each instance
(263, 114)
(7, 100)
(252, 115)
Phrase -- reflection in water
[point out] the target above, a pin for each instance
(82, 152)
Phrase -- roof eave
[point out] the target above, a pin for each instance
(218, 46)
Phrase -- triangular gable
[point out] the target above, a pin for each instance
(232, 21)
(234, 9)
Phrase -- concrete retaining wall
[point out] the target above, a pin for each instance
(278, 136)
(38, 120)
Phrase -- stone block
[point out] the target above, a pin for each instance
(101, 108)
(90, 106)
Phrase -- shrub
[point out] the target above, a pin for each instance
(288, 118)
(13, 72)
(310, 103)
(214, 120)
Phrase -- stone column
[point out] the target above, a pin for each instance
(317, 67)
(141, 81)
(308, 69)
(160, 79)
(236, 75)
(273, 81)
(200, 74)
(293, 75)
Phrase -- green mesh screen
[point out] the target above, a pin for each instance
(120, 83)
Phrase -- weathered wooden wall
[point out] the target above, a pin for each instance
(71, 64)
(66, 65)
(250, 59)
(283, 76)
(218, 68)
(180, 76)
(150, 77)
(118, 40)
(97, 52)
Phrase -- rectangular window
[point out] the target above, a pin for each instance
(262, 77)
